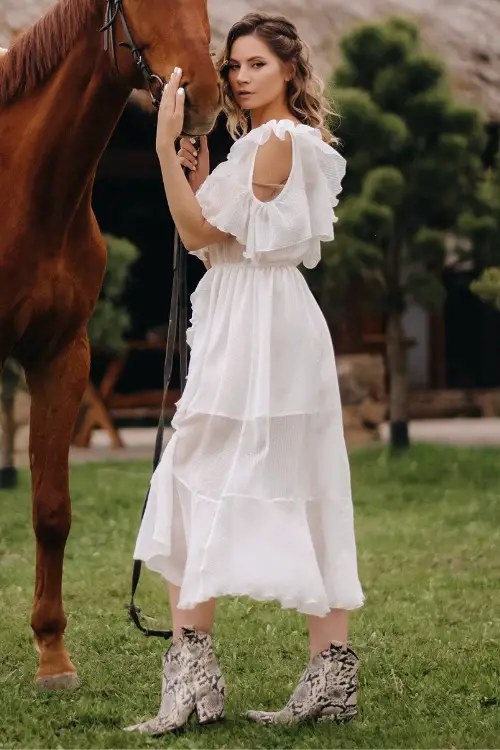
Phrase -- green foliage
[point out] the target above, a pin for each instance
(482, 226)
(414, 170)
(111, 319)
(384, 185)
(414, 184)
(429, 246)
(12, 378)
(487, 286)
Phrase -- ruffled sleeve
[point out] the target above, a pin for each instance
(289, 228)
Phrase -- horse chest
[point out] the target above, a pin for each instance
(53, 300)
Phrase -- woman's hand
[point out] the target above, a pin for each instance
(170, 114)
(197, 161)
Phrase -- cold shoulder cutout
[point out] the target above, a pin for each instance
(290, 227)
(272, 167)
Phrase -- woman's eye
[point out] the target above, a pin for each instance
(255, 65)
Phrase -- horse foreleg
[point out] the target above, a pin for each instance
(56, 390)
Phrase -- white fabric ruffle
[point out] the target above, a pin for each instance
(203, 532)
(252, 495)
(291, 227)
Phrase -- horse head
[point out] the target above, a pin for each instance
(162, 34)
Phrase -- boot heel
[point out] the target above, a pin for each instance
(210, 708)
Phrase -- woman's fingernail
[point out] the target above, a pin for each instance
(193, 140)
(195, 153)
(180, 91)
(177, 70)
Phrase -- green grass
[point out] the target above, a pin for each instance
(428, 530)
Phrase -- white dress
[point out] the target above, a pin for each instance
(252, 495)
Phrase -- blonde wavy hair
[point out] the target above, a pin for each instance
(305, 90)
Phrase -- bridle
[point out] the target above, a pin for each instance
(177, 324)
(154, 82)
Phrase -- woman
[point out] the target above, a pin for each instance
(252, 495)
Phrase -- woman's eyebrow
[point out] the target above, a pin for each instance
(255, 57)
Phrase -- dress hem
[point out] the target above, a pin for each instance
(303, 607)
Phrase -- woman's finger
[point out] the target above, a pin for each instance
(180, 99)
(187, 146)
(165, 110)
(166, 101)
(170, 91)
(188, 157)
(188, 164)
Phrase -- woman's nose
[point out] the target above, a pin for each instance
(242, 76)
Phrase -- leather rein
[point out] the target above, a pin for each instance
(177, 324)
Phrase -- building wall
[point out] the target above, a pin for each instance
(416, 323)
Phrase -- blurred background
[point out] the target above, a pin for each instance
(409, 288)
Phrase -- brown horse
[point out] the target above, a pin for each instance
(61, 95)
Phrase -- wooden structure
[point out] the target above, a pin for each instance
(102, 405)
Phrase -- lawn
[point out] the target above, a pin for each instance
(428, 529)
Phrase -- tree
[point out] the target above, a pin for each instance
(106, 330)
(414, 168)
(111, 319)
(487, 287)
(483, 230)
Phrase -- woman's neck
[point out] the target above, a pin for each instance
(272, 112)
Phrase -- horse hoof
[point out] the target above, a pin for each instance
(65, 681)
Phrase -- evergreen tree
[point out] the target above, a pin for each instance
(483, 231)
(413, 173)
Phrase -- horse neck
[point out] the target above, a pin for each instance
(73, 117)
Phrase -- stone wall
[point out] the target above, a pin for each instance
(362, 392)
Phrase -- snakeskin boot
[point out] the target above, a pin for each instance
(192, 683)
(326, 691)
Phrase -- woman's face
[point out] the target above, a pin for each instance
(256, 75)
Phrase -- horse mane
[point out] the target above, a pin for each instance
(39, 50)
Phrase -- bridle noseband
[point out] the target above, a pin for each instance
(155, 83)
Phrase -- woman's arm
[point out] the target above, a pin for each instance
(194, 231)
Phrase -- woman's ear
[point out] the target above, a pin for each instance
(289, 72)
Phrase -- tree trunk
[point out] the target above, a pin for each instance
(398, 376)
(8, 428)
